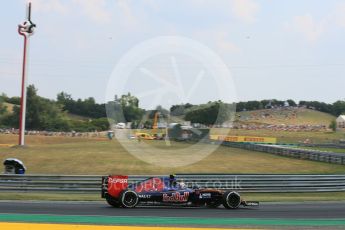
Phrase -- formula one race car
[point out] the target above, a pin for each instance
(166, 191)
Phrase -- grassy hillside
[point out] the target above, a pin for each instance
(69, 115)
(293, 116)
(63, 155)
(9, 107)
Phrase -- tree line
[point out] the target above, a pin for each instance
(46, 114)
(55, 115)
(337, 108)
(68, 114)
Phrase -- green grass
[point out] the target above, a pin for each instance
(334, 150)
(63, 155)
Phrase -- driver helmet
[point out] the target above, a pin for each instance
(172, 180)
(182, 185)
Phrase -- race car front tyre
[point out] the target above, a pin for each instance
(231, 200)
(112, 201)
(129, 199)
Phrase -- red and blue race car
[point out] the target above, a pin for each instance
(166, 191)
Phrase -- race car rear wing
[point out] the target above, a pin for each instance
(114, 185)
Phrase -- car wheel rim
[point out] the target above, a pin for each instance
(233, 200)
(130, 199)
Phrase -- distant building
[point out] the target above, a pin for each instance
(120, 125)
(341, 121)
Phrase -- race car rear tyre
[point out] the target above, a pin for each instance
(129, 199)
(231, 200)
(112, 201)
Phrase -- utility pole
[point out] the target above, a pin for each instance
(26, 29)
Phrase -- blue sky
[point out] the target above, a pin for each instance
(273, 48)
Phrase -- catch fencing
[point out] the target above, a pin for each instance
(239, 182)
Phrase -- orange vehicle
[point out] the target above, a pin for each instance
(144, 136)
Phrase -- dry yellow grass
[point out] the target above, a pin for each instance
(46, 140)
(302, 116)
(9, 107)
(61, 155)
(282, 136)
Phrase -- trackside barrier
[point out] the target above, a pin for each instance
(239, 182)
(288, 151)
(325, 145)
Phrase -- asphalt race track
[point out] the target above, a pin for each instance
(315, 210)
